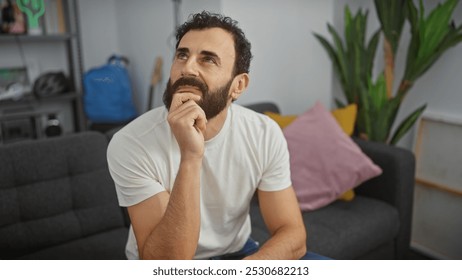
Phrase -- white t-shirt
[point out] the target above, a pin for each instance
(249, 152)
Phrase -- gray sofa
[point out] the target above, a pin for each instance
(57, 201)
(375, 225)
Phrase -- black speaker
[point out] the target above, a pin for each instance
(53, 127)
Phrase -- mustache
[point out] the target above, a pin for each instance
(189, 81)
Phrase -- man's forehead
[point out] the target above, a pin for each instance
(216, 40)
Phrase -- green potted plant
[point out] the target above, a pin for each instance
(353, 60)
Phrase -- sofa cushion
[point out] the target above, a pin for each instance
(349, 230)
(324, 160)
(109, 245)
(342, 230)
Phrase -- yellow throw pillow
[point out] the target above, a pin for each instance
(347, 196)
(281, 120)
(345, 117)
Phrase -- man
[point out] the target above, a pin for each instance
(187, 172)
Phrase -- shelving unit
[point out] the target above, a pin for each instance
(53, 53)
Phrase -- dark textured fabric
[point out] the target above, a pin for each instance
(343, 230)
(57, 191)
(109, 134)
(263, 107)
(109, 245)
(395, 185)
(385, 251)
(360, 225)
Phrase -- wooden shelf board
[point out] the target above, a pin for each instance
(440, 187)
(35, 38)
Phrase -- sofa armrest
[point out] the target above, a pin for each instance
(394, 186)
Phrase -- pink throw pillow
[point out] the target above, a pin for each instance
(324, 161)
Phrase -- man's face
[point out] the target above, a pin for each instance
(203, 65)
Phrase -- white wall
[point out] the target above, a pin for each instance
(99, 31)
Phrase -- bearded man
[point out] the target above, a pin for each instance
(187, 172)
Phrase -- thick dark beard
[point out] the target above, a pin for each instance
(212, 102)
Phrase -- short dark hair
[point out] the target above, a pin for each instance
(205, 20)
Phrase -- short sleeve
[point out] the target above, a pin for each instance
(134, 174)
(275, 158)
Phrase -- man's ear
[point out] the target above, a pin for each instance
(240, 84)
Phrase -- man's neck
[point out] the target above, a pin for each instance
(215, 125)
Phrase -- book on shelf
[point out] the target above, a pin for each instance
(54, 17)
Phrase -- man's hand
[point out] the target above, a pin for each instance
(188, 123)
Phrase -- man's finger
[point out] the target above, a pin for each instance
(181, 98)
(201, 123)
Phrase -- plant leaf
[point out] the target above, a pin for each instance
(406, 124)
(342, 56)
(392, 15)
(348, 20)
(363, 122)
(371, 51)
(384, 119)
(335, 61)
(378, 92)
(414, 44)
(436, 28)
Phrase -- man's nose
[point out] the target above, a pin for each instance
(190, 68)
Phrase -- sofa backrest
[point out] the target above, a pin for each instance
(54, 191)
(262, 107)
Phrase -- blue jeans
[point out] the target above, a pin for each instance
(252, 246)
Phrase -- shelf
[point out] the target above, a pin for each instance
(27, 114)
(436, 223)
(4, 38)
(31, 100)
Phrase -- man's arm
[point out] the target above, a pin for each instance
(167, 226)
(282, 216)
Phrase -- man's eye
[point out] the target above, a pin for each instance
(182, 56)
(209, 59)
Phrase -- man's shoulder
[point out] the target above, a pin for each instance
(152, 123)
(249, 117)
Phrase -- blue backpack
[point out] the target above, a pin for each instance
(108, 93)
